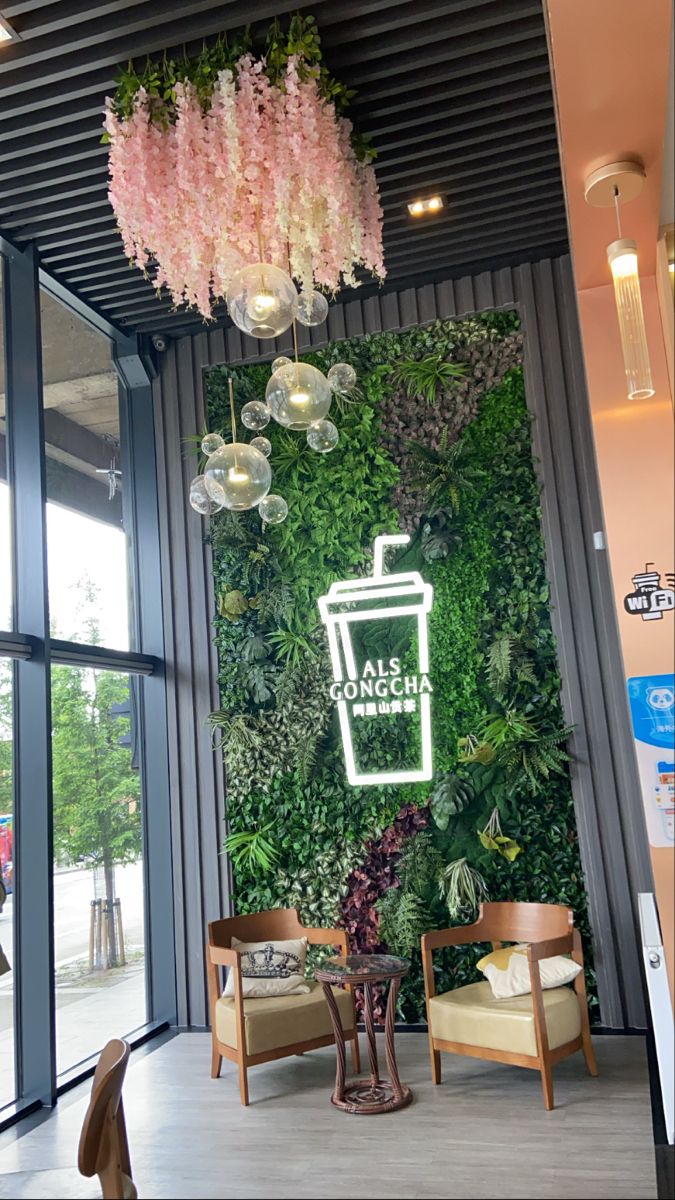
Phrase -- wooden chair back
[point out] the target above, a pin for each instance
(104, 1149)
(276, 923)
(515, 921)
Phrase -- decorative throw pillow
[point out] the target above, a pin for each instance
(508, 971)
(270, 968)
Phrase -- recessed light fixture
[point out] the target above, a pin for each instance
(7, 34)
(425, 208)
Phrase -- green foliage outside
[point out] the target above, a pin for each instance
(502, 818)
(96, 793)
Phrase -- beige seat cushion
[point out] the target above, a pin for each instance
(471, 1015)
(277, 1021)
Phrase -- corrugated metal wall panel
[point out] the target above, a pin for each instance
(609, 814)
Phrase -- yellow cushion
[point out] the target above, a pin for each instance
(471, 1015)
(508, 971)
(277, 1021)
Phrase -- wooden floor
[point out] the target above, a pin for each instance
(483, 1133)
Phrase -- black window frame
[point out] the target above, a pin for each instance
(34, 653)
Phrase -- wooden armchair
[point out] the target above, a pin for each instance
(537, 1030)
(104, 1150)
(254, 1031)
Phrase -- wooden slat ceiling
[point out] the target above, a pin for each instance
(456, 95)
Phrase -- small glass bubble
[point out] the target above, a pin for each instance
(311, 309)
(281, 361)
(211, 443)
(255, 415)
(323, 436)
(200, 499)
(342, 377)
(262, 444)
(273, 510)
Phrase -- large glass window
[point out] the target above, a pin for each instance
(5, 542)
(79, 766)
(7, 959)
(87, 548)
(7, 1058)
(98, 868)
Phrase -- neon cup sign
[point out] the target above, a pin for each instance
(379, 688)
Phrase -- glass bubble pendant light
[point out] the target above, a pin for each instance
(238, 476)
(261, 300)
(298, 394)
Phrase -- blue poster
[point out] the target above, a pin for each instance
(652, 709)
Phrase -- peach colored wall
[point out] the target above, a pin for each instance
(610, 64)
(634, 448)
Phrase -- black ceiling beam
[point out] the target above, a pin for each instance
(74, 233)
(73, 439)
(507, 212)
(544, 183)
(64, 231)
(478, 91)
(81, 271)
(445, 121)
(449, 64)
(131, 284)
(455, 247)
(42, 163)
(81, 492)
(12, 124)
(108, 243)
(46, 183)
(114, 39)
(416, 184)
(43, 206)
(403, 46)
(490, 139)
(58, 134)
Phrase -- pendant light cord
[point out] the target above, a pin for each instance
(617, 210)
(233, 418)
(293, 324)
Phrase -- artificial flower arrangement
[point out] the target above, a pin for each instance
(230, 160)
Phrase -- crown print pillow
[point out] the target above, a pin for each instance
(270, 968)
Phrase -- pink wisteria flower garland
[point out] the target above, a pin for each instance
(259, 167)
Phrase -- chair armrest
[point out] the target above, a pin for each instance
(561, 945)
(436, 939)
(328, 937)
(457, 935)
(224, 956)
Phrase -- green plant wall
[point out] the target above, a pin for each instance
(436, 441)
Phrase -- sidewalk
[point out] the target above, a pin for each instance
(86, 1017)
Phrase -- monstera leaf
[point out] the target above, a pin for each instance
(451, 795)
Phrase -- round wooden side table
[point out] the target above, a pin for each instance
(364, 970)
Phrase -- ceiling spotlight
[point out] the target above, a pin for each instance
(7, 34)
(421, 208)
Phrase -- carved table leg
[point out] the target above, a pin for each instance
(370, 1033)
(340, 1053)
(395, 1081)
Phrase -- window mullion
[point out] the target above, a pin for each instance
(34, 944)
